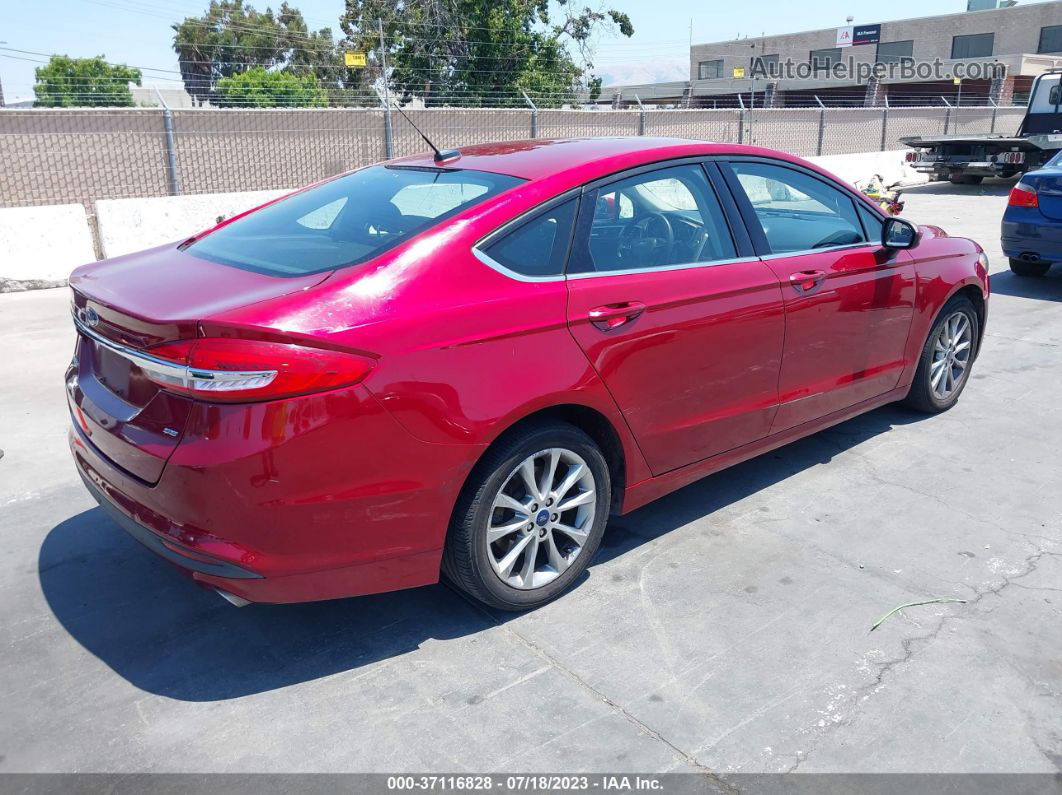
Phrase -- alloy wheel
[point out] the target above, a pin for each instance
(540, 518)
(951, 355)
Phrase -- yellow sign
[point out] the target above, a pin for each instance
(739, 71)
(354, 59)
(957, 81)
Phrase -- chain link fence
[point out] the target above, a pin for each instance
(58, 156)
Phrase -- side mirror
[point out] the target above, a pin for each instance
(898, 233)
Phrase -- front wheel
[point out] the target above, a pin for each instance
(530, 519)
(1035, 269)
(947, 356)
(958, 178)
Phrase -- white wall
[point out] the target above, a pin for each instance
(128, 225)
(39, 246)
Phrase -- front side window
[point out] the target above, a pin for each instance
(539, 246)
(710, 70)
(347, 220)
(976, 45)
(798, 212)
(658, 219)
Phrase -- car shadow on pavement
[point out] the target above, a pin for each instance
(153, 627)
(1046, 288)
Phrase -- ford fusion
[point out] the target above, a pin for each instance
(461, 365)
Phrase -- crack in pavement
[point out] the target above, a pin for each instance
(861, 694)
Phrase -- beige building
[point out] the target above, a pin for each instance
(1023, 39)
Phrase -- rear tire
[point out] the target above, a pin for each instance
(965, 179)
(947, 357)
(512, 543)
(1021, 267)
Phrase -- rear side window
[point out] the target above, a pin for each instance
(537, 247)
(347, 220)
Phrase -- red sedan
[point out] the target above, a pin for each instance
(464, 364)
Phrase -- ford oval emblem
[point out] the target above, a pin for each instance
(92, 319)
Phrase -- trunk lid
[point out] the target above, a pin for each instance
(122, 308)
(1048, 184)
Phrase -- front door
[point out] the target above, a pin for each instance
(848, 301)
(685, 332)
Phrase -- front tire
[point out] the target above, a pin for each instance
(530, 519)
(1021, 267)
(947, 356)
(958, 178)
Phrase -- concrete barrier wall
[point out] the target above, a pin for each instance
(39, 246)
(890, 165)
(128, 225)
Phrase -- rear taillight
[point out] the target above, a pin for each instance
(1022, 195)
(1011, 157)
(911, 156)
(236, 370)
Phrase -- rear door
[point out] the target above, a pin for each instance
(848, 302)
(683, 325)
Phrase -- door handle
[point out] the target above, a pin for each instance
(806, 281)
(612, 316)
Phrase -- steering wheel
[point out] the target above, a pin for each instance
(641, 241)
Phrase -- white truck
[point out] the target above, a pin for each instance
(968, 159)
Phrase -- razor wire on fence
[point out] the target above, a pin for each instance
(65, 156)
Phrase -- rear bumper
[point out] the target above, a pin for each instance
(1027, 231)
(274, 511)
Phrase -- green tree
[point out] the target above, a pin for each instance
(482, 52)
(233, 37)
(84, 82)
(258, 88)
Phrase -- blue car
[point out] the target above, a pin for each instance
(1032, 223)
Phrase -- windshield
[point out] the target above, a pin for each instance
(347, 220)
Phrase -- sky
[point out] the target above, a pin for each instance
(137, 32)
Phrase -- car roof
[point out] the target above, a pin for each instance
(544, 157)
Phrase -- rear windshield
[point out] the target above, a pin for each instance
(347, 220)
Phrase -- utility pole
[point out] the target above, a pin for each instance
(383, 62)
(389, 137)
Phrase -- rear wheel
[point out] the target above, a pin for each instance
(958, 178)
(530, 519)
(947, 356)
(1023, 268)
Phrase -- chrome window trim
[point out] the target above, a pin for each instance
(184, 374)
(805, 251)
(520, 277)
(664, 268)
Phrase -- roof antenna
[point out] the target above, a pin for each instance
(441, 155)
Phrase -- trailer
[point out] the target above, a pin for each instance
(968, 159)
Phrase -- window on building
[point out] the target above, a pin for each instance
(1050, 39)
(710, 70)
(895, 51)
(824, 59)
(764, 65)
(977, 45)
